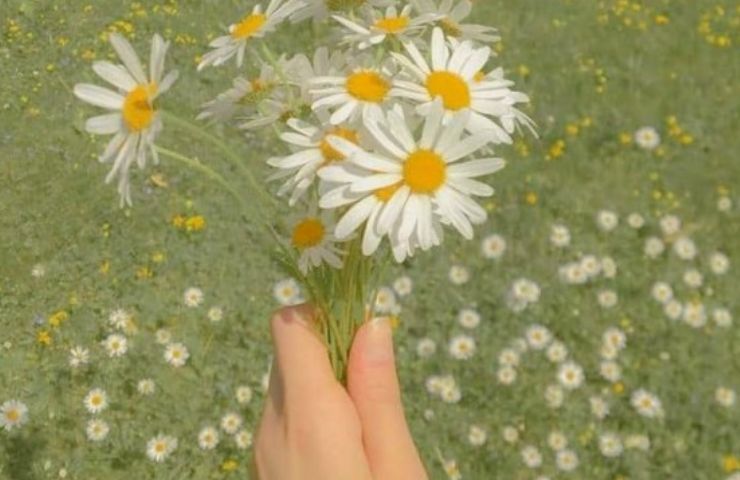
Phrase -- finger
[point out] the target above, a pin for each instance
(373, 386)
(301, 358)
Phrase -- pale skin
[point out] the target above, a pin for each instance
(313, 428)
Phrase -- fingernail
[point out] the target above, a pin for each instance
(379, 347)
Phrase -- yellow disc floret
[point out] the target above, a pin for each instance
(424, 171)
(308, 233)
(138, 111)
(392, 24)
(249, 26)
(331, 154)
(368, 86)
(386, 193)
(450, 87)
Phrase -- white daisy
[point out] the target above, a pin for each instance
(403, 286)
(176, 354)
(455, 77)
(119, 318)
(244, 97)
(192, 297)
(385, 301)
(566, 460)
(607, 220)
(38, 271)
(646, 404)
(670, 225)
(133, 118)
(426, 347)
(509, 357)
(570, 375)
(96, 400)
(450, 15)
(725, 397)
(599, 407)
(311, 151)
(531, 457)
(462, 347)
(407, 188)
(287, 292)
(635, 220)
(722, 317)
(673, 309)
(243, 394)
(13, 414)
(724, 204)
(654, 247)
(468, 318)
(559, 236)
(614, 337)
(458, 275)
(231, 423)
(557, 352)
(78, 357)
(662, 292)
(610, 445)
(208, 438)
(476, 436)
(647, 138)
(694, 314)
(313, 236)
(160, 447)
(163, 336)
(115, 345)
(611, 371)
(510, 434)
(215, 314)
(97, 430)
(608, 267)
(557, 441)
(506, 375)
(146, 386)
(685, 248)
(377, 26)
(719, 263)
(693, 278)
(493, 247)
(243, 439)
(256, 24)
(538, 337)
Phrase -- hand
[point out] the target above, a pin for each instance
(312, 428)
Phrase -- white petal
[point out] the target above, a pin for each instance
(466, 147)
(99, 96)
(476, 168)
(128, 57)
(393, 209)
(354, 217)
(115, 75)
(104, 124)
(376, 182)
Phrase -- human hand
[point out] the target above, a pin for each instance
(312, 428)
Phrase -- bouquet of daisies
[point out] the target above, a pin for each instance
(384, 132)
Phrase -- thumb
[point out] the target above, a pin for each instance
(373, 386)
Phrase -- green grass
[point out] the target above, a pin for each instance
(57, 212)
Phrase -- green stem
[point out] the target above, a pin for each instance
(231, 155)
(206, 170)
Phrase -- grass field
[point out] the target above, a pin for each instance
(596, 70)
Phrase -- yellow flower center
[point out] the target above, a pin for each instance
(12, 415)
(160, 447)
(368, 86)
(250, 25)
(450, 27)
(138, 111)
(451, 87)
(96, 400)
(424, 171)
(386, 193)
(176, 353)
(330, 153)
(392, 24)
(308, 233)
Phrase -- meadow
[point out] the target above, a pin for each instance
(586, 333)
